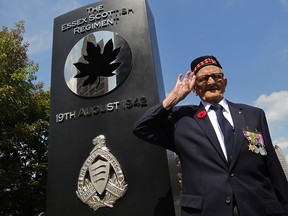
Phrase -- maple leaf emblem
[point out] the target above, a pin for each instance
(99, 64)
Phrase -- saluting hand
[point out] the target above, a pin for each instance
(181, 89)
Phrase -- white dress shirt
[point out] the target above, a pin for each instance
(213, 118)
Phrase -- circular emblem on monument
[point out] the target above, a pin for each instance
(97, 64)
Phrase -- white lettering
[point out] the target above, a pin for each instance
(96, 9)
(110, 107)
(95, 25)
(74, 24)
(103, 108)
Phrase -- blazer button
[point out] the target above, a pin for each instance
(228, 200)
(232, 174)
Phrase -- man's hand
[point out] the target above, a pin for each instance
(181, 90)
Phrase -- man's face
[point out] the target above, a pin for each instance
(210, 84)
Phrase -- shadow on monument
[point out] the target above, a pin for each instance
(162, 208)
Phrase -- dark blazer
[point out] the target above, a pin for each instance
(211, 185)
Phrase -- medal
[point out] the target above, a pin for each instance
(256, 142)
(263, 151)
(256, 149)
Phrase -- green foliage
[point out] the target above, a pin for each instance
(24, 119)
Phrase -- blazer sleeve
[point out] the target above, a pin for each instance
(154, 126)
(276, 172)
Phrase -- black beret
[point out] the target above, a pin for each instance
(203, 61)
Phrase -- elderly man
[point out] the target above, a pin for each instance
(229, 165)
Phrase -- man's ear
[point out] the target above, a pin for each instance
(225, 81)
(195, 91)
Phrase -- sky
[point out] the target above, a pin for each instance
(249, 38)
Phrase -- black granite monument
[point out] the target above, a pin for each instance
(105, 73)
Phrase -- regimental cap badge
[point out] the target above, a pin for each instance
(101, 181)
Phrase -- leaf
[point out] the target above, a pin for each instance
(24, 123)
(81, 67)
(99, 64)
(92, 52)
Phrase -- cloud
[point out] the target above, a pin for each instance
(282, 142)
(232, 2)
(40, 31)
(275, 105)
(38, 17)
(285, 52)
(285, 3)
(61, 6)
(39, 42)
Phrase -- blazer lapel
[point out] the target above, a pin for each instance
(208, 129)
(239, 124)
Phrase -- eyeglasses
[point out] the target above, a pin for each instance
(204, 78)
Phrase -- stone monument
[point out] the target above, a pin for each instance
(105, 73)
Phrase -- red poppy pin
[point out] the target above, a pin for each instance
(202, 114)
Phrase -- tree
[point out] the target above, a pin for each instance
(24, 115)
